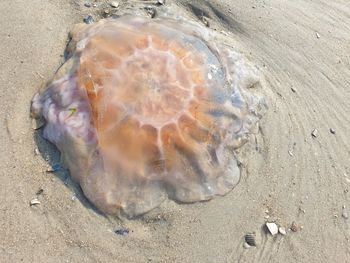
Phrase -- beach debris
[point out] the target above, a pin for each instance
(122, 231)
(205, 21)
(246, 245)
(34, 201)
(344, 213)
(332, 130)
(40, 191)
(88, 19)
(314, 133)
(161, 2)
(73, 198)
(151, 12)
(250, 239)
(293, 89)
(114, 4)
(37, 124)
(290, 153)
(54, 168)
(318, 35)
(294, 227)
(272, 227)
(282, 231)
(36, 151)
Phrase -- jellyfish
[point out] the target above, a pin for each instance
(149, 109)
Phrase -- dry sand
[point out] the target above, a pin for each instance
(287, 174)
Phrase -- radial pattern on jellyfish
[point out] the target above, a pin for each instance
(149, 109)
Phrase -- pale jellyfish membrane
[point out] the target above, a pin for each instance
(146, 110)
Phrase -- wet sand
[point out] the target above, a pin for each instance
(288, 175)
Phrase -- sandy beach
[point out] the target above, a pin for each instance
(295, 172)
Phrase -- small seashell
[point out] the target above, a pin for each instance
(205, 21)
(272, 227)
(114, 4)
(36, 151)
(332, 130)
(35, 201)
(250, 239)
(37, 124)
(282, 230)
(246, 245)
(56, 167)
(314, 133)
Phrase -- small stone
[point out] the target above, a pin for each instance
(272, 227)
(332, 130)
(122, 231)
(161, 2)
(35, 201)
(318, 35)
(293, 89)
(294, 227)
(87, 4)
(88, 19)
(106, 11)
(282, 230)
(114, 4)
(36, 151)
(314, 133)
(290, 153)
(73, 198)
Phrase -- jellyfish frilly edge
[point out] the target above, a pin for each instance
(146, 110)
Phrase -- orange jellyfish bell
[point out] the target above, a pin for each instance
(148, 109)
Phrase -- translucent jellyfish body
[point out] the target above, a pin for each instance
(149, 109)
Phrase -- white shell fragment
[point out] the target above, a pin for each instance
(35, 201)
(272, 227)
(282, 230)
